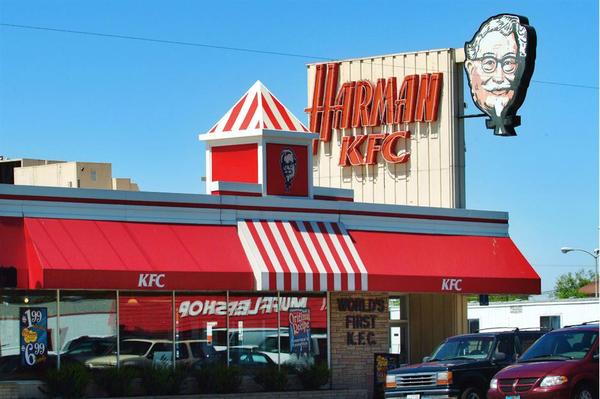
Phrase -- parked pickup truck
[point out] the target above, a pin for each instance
(461, 367)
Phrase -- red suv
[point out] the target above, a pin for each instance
(562, 364)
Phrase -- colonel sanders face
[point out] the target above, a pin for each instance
(496, 60)
(287, 160)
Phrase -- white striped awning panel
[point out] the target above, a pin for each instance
(302, 256)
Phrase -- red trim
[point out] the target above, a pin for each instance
(284, 114)
(332, 198)
(270, 113)
(250, 208)
(238, 193)
(250, 113)
(234, 114)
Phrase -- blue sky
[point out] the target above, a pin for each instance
(141, 105)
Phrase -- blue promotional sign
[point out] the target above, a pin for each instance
(33, 328)
(299, 330)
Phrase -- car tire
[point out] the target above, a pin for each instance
(584, 391)
(472, 393)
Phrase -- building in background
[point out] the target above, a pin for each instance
(548, 313)
(51, 173)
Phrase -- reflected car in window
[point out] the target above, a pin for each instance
(138, 352)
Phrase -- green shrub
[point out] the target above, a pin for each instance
(163, 380)
(70, 381)
(315, 376)
(116, 381)
(217, 378)
(272, 378)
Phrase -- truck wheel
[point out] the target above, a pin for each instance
(475, 393)
(584, 391)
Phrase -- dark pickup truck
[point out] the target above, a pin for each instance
(461, 367)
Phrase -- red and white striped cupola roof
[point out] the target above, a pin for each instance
(258, 109)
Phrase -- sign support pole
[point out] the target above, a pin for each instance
(58, 347)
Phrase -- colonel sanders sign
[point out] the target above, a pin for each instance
(499, 63)
(287, 160)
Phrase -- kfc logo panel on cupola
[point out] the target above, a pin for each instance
(287, 170)
(499, 63)
(287, 161)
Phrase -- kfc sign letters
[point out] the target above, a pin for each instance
(363, 104)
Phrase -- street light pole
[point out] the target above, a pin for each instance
(593, 254)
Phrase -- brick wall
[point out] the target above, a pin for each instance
(359, 328)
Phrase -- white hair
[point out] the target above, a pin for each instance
(505, 24)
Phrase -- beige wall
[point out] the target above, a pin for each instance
(434, 176)
(433, 317)
(71, 174)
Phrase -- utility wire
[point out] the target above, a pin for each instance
(162, 41)
(240, 49)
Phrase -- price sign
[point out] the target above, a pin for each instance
(33, 327)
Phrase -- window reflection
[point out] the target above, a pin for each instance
(146, 331)
(87, 326)
(32, 362)
(303, 338)
(252, 321)
(200, 329)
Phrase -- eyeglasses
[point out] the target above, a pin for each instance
(507, 63)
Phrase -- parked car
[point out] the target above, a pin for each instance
(462, 366)
(138, 352)
(561, 364)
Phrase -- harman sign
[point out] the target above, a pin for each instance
(363, 104)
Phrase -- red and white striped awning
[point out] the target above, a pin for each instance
(258, 109)
(302, 256)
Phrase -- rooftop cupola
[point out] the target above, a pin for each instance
(259, 148)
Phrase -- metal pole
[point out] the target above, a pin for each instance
(59, 345)
(173, 317)
(597, 276)
(117, 321)
(278, 331)
(227, 325)
(328, 329)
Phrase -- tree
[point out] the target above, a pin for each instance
(568, 285)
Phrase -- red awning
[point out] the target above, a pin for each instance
(324, 256)
(90, 254)
(266, 255)
(443, 263)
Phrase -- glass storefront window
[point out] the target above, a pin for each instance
(303, 333)
(28, 334)
(88, 327)
(145, 331)
(398, 308)
(252, 326)
(249, 330)
(200, 328)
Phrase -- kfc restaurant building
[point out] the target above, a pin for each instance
(328, 246)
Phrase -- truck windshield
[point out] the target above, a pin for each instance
(560, 345)
(464, 348)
